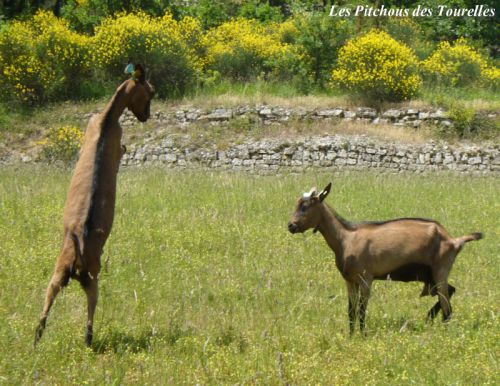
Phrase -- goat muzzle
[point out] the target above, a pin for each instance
(293, 227)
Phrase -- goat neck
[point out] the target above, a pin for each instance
(116, 105)
(332, 229)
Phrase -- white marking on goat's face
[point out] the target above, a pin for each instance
(313, 192)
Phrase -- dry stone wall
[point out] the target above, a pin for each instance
(330, 152)
(278, 114)
(336, 152)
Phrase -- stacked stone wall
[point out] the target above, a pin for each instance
(330, 152)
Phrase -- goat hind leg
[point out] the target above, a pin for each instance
(444, 300)
(432, 313)
(59, 279)
(92, 291)
(437, 307)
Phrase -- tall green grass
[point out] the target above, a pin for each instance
(481, 99)
(202, 283)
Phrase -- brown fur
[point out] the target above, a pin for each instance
(90, 204)
(402, 250)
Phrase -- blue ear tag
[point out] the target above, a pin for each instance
(129, 69)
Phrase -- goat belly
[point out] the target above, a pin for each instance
(409, 272)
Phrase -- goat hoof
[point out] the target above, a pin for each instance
(430, 317)
(39, 332)
(38, 335)
(88, 337)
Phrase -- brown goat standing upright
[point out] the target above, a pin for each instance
(90, 204)
(405, 249)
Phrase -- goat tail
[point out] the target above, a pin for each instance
(472, 237)
(465, 239)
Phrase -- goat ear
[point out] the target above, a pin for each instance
(139, 73)
(325, 192)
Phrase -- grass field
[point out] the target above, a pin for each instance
(202, 283)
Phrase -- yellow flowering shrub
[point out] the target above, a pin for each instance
(244, 48)
(287, 31)
(41, 59)
(377, 67)
(62, 143)
(460, 65)
(20, 69)
(170, 49)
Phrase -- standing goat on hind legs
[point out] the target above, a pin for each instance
(90, 205)
(404, 249)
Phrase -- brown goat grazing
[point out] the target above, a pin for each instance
(405, 249)
(90, 204)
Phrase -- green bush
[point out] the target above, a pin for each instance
(84, 16)
(468, 122)
(319, 39)
(409, 32)
(261, 11)
(443, 28)
(210, 13)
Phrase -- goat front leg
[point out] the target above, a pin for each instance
(365, 288)
(353, 297)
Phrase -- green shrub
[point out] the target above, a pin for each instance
(441, 28)
(407, 31)
(468, 122)
(319, 39)
(259, 10)
(377, 68)
(84, 16)
(210, 13)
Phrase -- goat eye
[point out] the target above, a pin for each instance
(303, 208)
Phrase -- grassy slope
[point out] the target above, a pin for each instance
(22, 128)
(202, 283)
